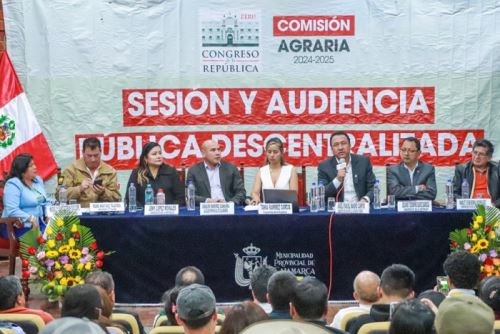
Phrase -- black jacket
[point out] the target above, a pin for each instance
(465, 170)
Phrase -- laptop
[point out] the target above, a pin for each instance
(281, 196)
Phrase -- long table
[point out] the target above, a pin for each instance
(149, 250)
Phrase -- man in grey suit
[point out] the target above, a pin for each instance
(412, 179)
(216, 180)
(348, 177)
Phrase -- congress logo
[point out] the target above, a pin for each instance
(246, 264)
(7, 133)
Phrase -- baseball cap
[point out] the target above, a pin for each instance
(71, 325)
(195, 302)
(464, 314)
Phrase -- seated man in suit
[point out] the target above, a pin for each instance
(412, 179)
(347, 176)
(482, 174)
(216, 180)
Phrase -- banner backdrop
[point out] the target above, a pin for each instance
(182, 71)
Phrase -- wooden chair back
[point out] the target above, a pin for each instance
(375, 328)
(30, 323)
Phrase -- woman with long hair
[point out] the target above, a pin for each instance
(241, 316)
(276, 174)
(24, 195)
(152, 170)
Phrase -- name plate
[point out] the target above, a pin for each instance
(352, 207)
(51, 210)
(415, 206)
(107, 207)
(209, 209)
(275, 209)
(161, 209)
(472, 203)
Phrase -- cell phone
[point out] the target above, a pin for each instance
(442, 284)
(98, 182)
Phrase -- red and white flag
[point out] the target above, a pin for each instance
(19, 129)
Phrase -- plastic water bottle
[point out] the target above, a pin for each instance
(321, 196)
(314, 205)
(376, 195)
(132, 198)
(450, 201)
(149, 196)
(190, 196)
(63, 195)
(160, 197)
(465, 188)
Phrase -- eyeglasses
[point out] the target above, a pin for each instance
(479, 154)
(404, 150)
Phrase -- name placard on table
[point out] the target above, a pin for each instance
(472, 203)
(52, 209)
(415, 206)
(161, 209)
(107, 207)
(275, 209)
(209, 209)
(352, 207)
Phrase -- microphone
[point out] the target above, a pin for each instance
(341, 164)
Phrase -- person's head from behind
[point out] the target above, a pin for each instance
(280, 289)
(463, 270)
(489, 292)
(104, 280)
(259, 280)
(309, 300)
(275, 152)
(397, 282)
(170, 304)
(196, 307)
(242, 315)
(11, 292)
(189, 275)
(23, 167)
(91, 152)
(72, 325)
(412, 317)
(107, 305)
(366, 286)
(434, 296)
(82, 301)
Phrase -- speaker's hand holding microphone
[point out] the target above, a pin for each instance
(341, 170)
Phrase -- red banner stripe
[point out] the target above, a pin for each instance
(10, 87)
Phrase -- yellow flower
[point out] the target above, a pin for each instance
(63, 281)
(474, 237)
(475, 226)
(479, 219)
(64, 249)
(68, 267)
(58, 274)
(474, 249)
(483, 243)
(59, 222)
(492, 235)
(51, 243)
(51, 284)
(48, 230)
(57, 265)
(71, 242)
(52, 254)
(78, 279)
(73, 228)
(74, 254)
(88, 266)
(41, 274)
(80, 266)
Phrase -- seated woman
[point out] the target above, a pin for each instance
(24, 195)
(152, 170)
(276, 174)
(241, 316)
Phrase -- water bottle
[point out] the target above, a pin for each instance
(376, 195)
(190, 196)
(321, 196)
(449, 195)
(132, 198)
(160, 197)
(314, 198)
(63, 195)
(149, 196)
(465, 188)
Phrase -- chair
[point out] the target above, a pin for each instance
(301, 193)
(173, 330)
(284, 326)
(375, 328)
(30, 323)
(162, 320)
(349, 316)
(182, 173)
(128, 321)
(9, 247)
(497, 327)
(7, 331)
(242, 171)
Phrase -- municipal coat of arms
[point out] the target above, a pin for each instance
(7, 133)
(246, 264)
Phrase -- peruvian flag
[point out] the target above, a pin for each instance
(19, 129)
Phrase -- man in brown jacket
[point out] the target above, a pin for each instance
(89, 180)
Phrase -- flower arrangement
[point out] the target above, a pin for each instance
(62, 257)
(482, 239)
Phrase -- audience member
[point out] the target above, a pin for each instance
(189, 275)
(170, 305)
(365, 293)
(216, 180)
(309, 303)
(242, 315)
(82, 301)
(412, 317)
(12, 300)
(196, 310)
(24, 196)
(464, 314)
(89, 180)
(435, 297)
(258, 284)
(489, 292)
(71, 325)
(396, 284)
(463, 270)
(279, 292)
